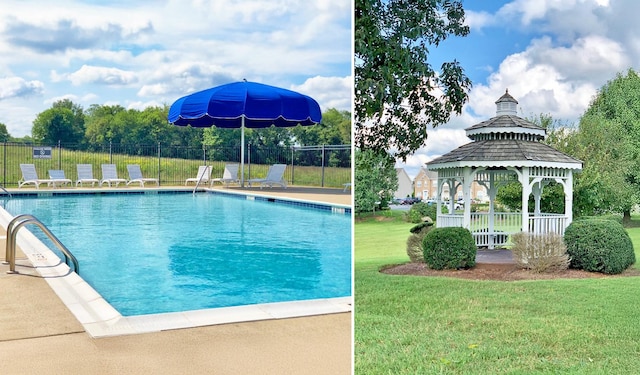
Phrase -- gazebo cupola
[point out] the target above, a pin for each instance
(504, 149)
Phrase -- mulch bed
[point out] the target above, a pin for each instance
(497, 271)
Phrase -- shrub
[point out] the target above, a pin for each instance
(449, 248)
(599, 245)
(420, 210)
(540, 252)
(614, 217)
(414, 242)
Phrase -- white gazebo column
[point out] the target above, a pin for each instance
(568, 198)
(439, 202)
(526, 192)
(567, 186)
(467, 180)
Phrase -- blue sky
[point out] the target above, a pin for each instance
(149, 53)
(552, 56)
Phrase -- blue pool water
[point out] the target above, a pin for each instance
(153, 253)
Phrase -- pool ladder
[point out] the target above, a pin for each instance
(5, 190)
(18, 222)
(200, 180)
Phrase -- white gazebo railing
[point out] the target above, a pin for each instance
(548, 223)
(496, 229)
(450, 220)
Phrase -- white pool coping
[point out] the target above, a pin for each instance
(100, 319)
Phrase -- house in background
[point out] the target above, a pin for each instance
(426, 184)
(426, 187)
(405, 184)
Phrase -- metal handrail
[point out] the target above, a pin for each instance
(6, 191)
(18, 222)
(200, 179)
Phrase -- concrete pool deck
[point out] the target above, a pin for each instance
(39, 334)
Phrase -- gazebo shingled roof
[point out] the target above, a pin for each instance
(505, 138)
(484, 153)
(505, 122)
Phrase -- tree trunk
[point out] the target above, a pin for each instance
(626, 217)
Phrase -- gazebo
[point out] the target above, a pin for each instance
(504, 149)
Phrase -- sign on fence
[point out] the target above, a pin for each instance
(42, 152)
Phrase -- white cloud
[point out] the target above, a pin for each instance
(551, 75)
(152, 52)
(101, 75)
(12, 87)
(546, 78)
(329, 92)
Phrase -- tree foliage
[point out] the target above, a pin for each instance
(375, 179)
(334, 129)
(4, 133)
(609, 144)
(103, 124)
(398, 92)
(63, 122)
(607, 140)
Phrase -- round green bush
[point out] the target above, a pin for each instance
(449, 248)
(614, 217)
(598, 245)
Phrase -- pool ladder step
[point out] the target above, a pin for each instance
(18, 222)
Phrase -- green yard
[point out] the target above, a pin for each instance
(437, 325)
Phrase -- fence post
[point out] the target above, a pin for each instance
(322, 183)
(292, 165)
(59, 155)
(159, 163)
(4, 170)
(249, 159)
(110, 155)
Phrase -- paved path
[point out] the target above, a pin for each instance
(494, 256)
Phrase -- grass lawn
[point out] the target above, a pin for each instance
(438, 325)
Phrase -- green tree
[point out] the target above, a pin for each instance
(4, 133)
(63, 122)
(101, 127)
(334, 129)
(608, 142)
(155, 124)
(398, 93)
(375, 179)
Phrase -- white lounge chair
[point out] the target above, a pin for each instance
(274, 177)
(30, 176)
(203, 176)
(229, 175)
(135, 176)
(58, 178)
(85, 175)
(110, 175)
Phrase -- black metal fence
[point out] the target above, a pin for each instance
(323, 166)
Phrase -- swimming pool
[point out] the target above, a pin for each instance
(158, 253)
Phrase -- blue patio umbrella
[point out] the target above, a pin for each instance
(244, 105)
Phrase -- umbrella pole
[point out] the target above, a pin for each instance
(242, 153)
